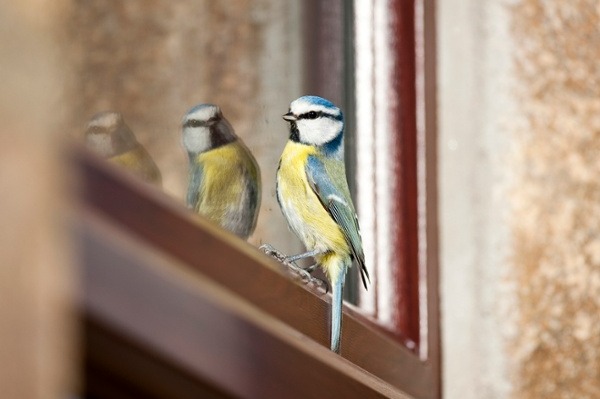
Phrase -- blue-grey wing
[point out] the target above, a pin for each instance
(335, 197)
(194, 184)
(250, 201)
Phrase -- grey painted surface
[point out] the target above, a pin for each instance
(474, 117)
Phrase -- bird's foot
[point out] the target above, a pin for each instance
(270, 250)
(303, 274)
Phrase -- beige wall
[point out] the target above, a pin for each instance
(37, 340)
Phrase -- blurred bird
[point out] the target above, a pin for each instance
(109, 136)
(224, 179)
(313, 194)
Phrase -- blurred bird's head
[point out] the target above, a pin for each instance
(314, 121)
(108, 135)
(204, 128)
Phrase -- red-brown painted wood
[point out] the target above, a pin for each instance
(205, 337)
(204, 250)
(404, 114)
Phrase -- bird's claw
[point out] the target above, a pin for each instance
(268, 249)
(303, 274)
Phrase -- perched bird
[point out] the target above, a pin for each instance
(313, 194)
(109, 136)
(224, 178)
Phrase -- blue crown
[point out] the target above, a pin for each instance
(199, 107)
(318, 100)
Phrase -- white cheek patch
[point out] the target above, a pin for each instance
(318, 131)
(196, 139)
(100, 143)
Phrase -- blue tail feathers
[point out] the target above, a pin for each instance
(336, 312)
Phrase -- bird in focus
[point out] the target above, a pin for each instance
(108, 135)
(314, 197)
(224, 178)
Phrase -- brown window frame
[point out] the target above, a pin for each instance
(148, 276)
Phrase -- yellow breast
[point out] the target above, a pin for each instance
(303, 210)
(140, 163)
(226, 171)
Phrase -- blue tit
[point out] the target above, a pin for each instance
(224, 178)
(109, 136)
(313, 194)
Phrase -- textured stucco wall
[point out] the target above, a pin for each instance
(556, 219)
(520, 198)
(152, 60)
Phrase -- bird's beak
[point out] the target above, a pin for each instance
(290, 117)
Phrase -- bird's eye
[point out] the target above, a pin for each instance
(311, 115)
(193, 123)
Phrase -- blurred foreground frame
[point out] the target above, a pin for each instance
(174, 307)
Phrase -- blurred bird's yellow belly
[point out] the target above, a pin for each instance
(138, 161)
(224, 181)
(304, 211)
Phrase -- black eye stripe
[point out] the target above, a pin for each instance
(316, 114)
(193, 123)
(199, 123)
(310, 115)
(96, 129)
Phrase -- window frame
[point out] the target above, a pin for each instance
(377, 59)
(398, 51)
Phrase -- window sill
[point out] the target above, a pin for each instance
(215, 309)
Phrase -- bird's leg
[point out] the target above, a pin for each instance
(285, 260)
(303, 255)
(310, 268)
(289, 262)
